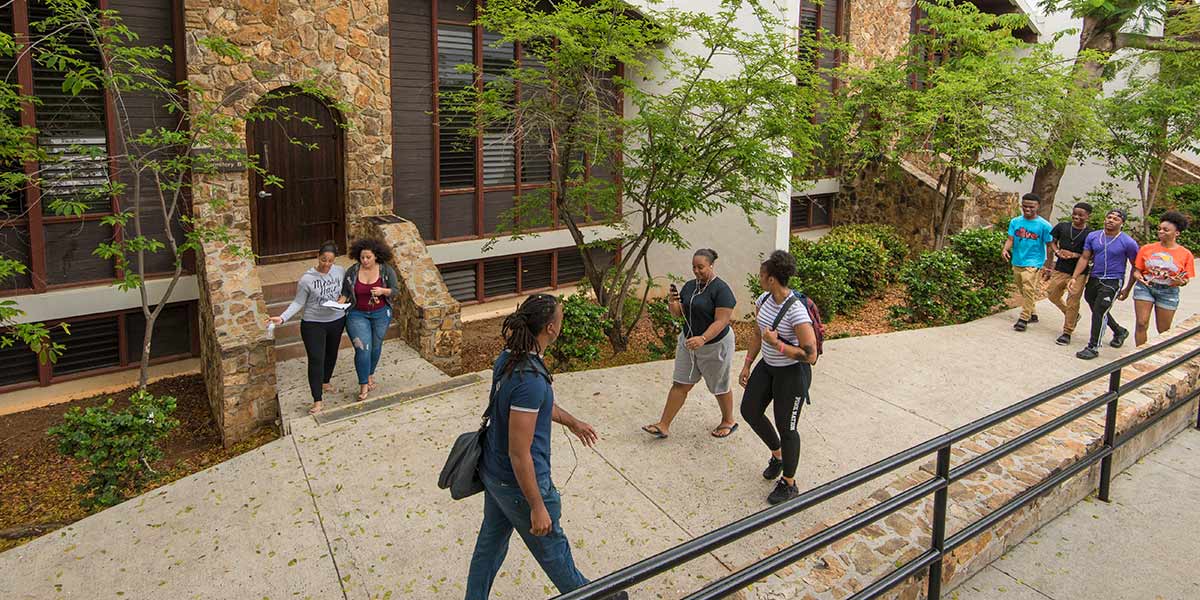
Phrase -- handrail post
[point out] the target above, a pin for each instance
(939, 522)
(1110, 433)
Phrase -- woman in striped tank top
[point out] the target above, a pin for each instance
(788, 344)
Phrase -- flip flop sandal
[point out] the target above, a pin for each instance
(727, 429)
(654, 431)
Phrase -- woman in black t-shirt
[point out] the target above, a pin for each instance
(706, 345)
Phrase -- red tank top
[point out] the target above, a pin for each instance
(362, 296)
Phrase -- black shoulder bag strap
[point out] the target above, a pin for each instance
(787, 304)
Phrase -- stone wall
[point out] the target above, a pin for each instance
(852, 563)
(878, 29)
(1178, 171)
(430, 318)
(238, 358)
(343, 46)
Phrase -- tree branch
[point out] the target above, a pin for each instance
(1158, 43)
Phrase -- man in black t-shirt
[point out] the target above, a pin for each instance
(1067, 246)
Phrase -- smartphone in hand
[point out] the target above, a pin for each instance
(674, 293)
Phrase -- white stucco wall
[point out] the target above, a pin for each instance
(734, 237)
(1080, 176)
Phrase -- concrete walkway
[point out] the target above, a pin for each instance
(350, 509)
(1143, 545)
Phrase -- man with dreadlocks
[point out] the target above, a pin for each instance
(515, 465)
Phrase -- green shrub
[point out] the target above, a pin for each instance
(863, 257)
(983, 250)
(584, 324)
(666, 329)
(1103, 199)
(824, 280)
(1185, 199)
(891, 240)
(940, 292)
(117, 447)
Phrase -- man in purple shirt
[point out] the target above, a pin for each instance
(1112, 253)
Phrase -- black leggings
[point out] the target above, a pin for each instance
(1100, 295)
(788, 388)
(321, 343)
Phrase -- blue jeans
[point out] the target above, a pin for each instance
(505, 509)
(366, 331)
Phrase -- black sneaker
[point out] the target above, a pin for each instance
(1020, 325)
(1033, 318)
(783, 492)
(1063, 339)
(1119, 338)
(1087, 353)
(774, 468)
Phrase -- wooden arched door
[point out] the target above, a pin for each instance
(304, 147)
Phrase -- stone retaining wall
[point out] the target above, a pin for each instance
(430, 318)
(849, 565)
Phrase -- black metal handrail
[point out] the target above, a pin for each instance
(937, 485)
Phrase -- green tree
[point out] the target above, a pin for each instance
(156, 165)
(1155, 115)
(985, 104)
(725, 128)
(1110, 26)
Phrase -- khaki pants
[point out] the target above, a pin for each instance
(1070, 308)
(1029, 281)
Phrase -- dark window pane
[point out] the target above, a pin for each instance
(799, 212)
(499, 277)
(535, 157)
(69, 247)
(570, 266)
(461, 282)
(822, 210)
(535, 272)
(458, 215)
(457, 139)
(172, 333)
(457, 10)
(92, 344)
(14, 245)
(18, 364)
(495, 204)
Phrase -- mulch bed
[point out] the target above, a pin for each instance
(482, 341)
(38, 484)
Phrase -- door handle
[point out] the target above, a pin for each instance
(263, 194)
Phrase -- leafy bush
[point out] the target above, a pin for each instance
(1103, 199)
(863, 257)
(895, 245)
(940, 291)
(584, 324)
(823, 279)
(666, 329)
(116, 446)
(1185, 199)
(982, 249)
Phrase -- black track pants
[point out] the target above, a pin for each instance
(787, 387)
(321, 343)
(1100, 295)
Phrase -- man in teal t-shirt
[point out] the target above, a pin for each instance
(1028, 247)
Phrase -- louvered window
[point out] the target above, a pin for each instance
(809, 212)
(496, 163)
(461, 282)
(821, 20)
(499, 277)
(71, 128)
(18, 365)
(171, 333)
(92, 344)
(570, 266)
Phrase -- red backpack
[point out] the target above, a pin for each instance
(814, 313)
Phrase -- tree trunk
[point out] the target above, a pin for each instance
(144, 371)
(1097, 34)
(949, 199)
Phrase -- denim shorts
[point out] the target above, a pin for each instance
(1163, 296)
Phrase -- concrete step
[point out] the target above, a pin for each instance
(293, 347)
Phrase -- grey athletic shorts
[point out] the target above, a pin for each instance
(713, 362)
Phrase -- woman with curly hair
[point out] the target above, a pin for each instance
(369, 286)
(1159, 270)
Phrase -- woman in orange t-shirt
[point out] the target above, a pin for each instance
(1159, 270)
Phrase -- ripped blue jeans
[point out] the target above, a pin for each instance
(366, 331)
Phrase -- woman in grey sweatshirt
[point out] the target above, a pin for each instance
(320, 326)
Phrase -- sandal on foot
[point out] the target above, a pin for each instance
(728, 429)
(363, 395)
(655, 431)
(315, 409)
